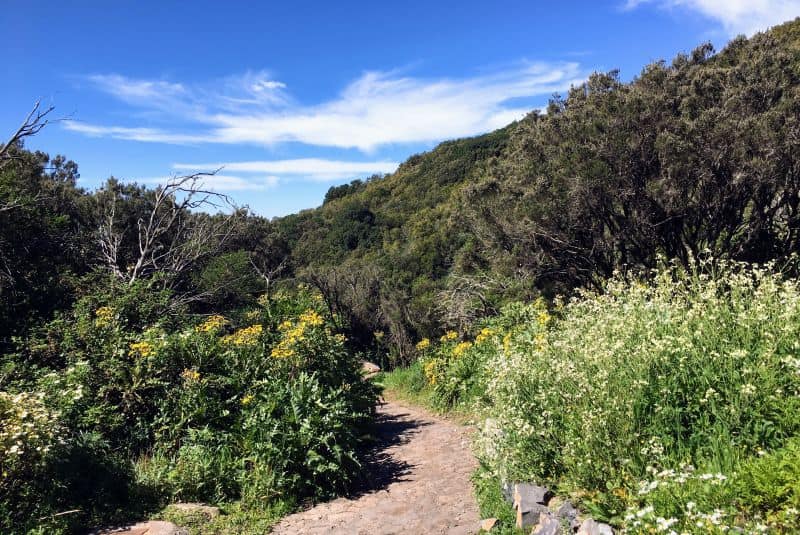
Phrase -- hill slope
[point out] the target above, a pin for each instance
(697, 155)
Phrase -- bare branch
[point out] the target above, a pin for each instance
(32, 125)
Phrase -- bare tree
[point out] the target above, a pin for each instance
(171, 236)
(32, 125)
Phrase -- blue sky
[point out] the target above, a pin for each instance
(294, 97)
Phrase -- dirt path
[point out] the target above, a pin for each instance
(419, 483)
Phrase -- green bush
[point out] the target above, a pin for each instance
(261, 408)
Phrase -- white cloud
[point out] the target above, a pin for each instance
(736, 16)
(315, 169)
(134, 134)
(224, 183)
(377, 109)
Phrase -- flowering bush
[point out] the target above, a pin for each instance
(624, 393)
(258, 407)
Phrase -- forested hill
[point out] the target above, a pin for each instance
(698, 155)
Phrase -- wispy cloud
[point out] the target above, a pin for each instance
(378, 108)
(224, 183)
(736, 16)
(316, 169)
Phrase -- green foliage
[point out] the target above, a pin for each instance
(261, 412)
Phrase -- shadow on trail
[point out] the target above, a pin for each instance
(380, 468)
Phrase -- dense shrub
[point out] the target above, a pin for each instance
(260, 407)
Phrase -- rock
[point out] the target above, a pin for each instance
(369, 370)
(530, 502)
(194, 511)
(568, 514)
(590, 527)
(527, 494)
(153, 527)
(488, 524)
(548, 525)
(532, 515)
(507, 488)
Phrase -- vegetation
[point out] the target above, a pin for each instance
(672, 402)
(161, 344)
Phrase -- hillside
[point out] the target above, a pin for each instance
(700, 154)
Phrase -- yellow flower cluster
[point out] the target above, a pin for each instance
(247, 400)
(263, 300)
(484, 335)
(429, 368)
(423, 344)
(449, 335)
(461, 348)
(291, 335)
(244, 337)
(251, 314)
(190, 376)
(141, 349)
(312, 318)
(212, 324)
(543, 318)
(103, 316)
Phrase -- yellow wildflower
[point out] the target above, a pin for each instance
(449, 335)
(141, 349)
(103, 316)
(251, 314)
(244, 337)
(543, 318)
(212, 324)
(190, 376)
(263, 300)
(247, 400)
(311, 317)
(282, 350)
(285, 325)
(507, 342)
(484, 335)
(461, 348)
(423, 344)
(430, 369)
